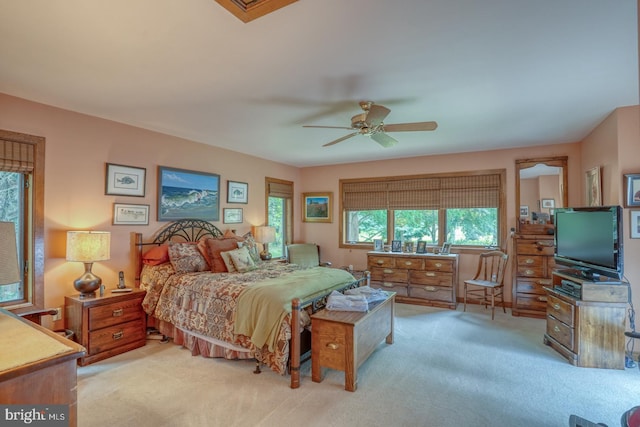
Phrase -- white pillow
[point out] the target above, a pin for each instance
(242, 260)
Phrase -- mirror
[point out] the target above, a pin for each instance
(541, 187)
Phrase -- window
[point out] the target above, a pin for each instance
(280, 214)
(22, 202)
(464, 209)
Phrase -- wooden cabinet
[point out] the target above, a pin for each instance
(424, 279)
(107, 325)
(587, 331)
(534, 264)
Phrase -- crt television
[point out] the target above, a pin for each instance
(589, 240)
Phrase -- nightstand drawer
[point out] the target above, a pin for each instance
(560, 310)
(116, 336)
(113, 314)
(560, 332)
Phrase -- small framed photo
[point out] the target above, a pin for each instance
(408, 247)
(548, 203)
(524, 211)
(446, 248)
(123, 180)
(237, 192)
(130, 214)
(422, 247)
(633, 189)
(316, 207)
(396, 246)
(378, 245)
(635, 224)
(232, 216)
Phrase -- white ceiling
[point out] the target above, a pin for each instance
(492, 73)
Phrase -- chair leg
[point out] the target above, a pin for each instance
(504, 310)
(465, 297)
(493, 303)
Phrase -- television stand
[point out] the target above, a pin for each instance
(587, 328)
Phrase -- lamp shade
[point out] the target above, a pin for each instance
(88, 246)
(265, 234)
(9, 268)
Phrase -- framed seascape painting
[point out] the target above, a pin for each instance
(188, 194)
(316, 207)
(123, 180)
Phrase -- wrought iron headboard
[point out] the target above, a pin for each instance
(189, 230)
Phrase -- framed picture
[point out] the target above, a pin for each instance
(317, 207)
(408, 247)
(422, 247)
(232, 216)
(396, 246)
(123, 180)
(237, 192)
(188, 194)
(378, 245)
(524, 211)
(594, 187)
(548, 203)
(635, 224)
(446, 248)
(130, 214)
(633, 189)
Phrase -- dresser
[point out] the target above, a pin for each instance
(107, 325)
(424, 279)
(534, 264)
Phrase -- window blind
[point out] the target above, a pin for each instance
(17, 156)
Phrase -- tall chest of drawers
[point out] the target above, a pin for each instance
(424, 279)
(534, 264)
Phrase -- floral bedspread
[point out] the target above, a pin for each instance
(205, 303)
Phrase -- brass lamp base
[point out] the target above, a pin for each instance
(265, 255)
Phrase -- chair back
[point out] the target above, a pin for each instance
(492, 266)
(303, 254)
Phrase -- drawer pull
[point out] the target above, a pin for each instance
(430, 274)
(529, 261)
(438, 264)
(379, 262)
(542, 299)
(388, 271)
(387, 284)
(544, 282)
(528, 272)
(118, 335)
(430, 288)
(408, 263)
(117, 313)
(333, 346)
(545, 244)
(556, 329)
(556, 306)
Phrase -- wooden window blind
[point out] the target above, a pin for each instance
(17, 156)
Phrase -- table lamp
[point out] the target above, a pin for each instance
(265, 235)
(88, 247)
(9, 268)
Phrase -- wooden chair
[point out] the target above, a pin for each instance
(488, 283)
(305, 255)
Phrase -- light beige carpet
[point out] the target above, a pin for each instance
(446, 368)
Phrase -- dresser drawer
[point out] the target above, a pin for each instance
(112, 314)
(438, 265)
(530, 271)
(400, 289)
(381, 261)
(532, 286)
(433, 278)
(116, 336)
(531, 302)
(560, 332)
(561, 310)
(389, 274)
(410, 263)
(535, 247)
(433, 293)
(530, 261)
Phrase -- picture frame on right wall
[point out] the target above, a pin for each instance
(635, 224)
(632, 184)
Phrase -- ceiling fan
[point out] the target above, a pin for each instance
(370, 123)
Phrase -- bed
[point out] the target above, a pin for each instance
(210, 293)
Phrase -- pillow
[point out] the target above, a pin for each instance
(156, 255)
(228, 262)
(242, 260)
(186, 258)
(202, 247)
(215, 246)
(252, 246)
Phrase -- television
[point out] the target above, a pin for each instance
(588, 240)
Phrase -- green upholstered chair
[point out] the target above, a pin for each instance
(305, 255)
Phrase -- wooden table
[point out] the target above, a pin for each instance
(343, 340)
(36, 377)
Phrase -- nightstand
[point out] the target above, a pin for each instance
(106, 325)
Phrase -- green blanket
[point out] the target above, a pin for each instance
(263, 306)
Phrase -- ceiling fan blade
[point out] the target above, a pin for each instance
(377, 113)
(383, 139)
(410, 127)
(327, 127)
(341, 139)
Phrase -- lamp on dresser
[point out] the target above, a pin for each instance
(9, 268)
(88, 247)
(265, 235)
